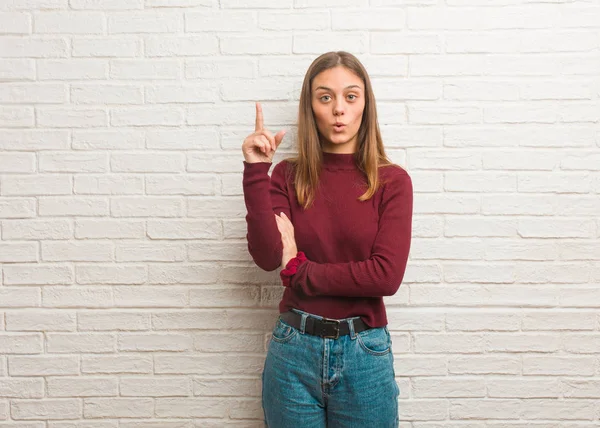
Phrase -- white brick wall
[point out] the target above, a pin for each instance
(127, 296)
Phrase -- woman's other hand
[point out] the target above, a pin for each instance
(260, 146)
(286, 228)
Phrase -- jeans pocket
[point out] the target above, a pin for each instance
(282, 332)
(375, 341)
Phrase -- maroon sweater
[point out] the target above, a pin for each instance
(357, 251)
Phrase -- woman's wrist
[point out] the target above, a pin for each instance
(291, 267)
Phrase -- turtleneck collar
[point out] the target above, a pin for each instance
(339, 160)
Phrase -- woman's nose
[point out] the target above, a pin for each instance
(338, 108)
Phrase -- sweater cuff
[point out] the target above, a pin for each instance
(292, 267)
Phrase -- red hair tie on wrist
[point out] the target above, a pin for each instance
(292, 267)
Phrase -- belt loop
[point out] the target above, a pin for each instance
(303, 322)
(351, 328)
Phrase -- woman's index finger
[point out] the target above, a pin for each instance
(258, 125)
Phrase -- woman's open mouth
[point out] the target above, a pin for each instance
(339, 128)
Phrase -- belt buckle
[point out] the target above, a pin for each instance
(336, 323)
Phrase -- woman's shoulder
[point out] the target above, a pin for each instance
(393, 172)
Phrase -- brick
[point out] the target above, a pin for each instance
(517, 204)
(46, 409)
(487, 295)
(474, 226)
(83, 386)
(483, 321)
(480, 182)
(580, 388)
(558, 365)
(214, 162)
(77, 343)
(186, 93)
(17, 162)
(15, 23)
(113, 320)
(559, 409)
(227, 387)
(208, 364)
(317, 43)
(140, 69)
(116, 364)
(147, 296)
(37, 229)
(184, 229)
(219, 68)
(33, 4)
(178, 3)
(301, 20)
(266, 89)
(182, 139)
(15, 343)
(301, 4)
(59, 251)
(34, 185)
(20, 47)
(147, 116)
(22, 388)
(157, 251)
(484, 364)
(368, 19)
(51, 320)
(209, 207)
(72, 69)
(17, 207)
(110, 274)
(73, 206)
(107, 47)
(221, 21)
(34, 140)
(39, 93)
(145, 22)
(188, 184)
(256, 45)
(488, 409)
(182, 274)
(151, 206)
(434, 387)
(11, 252)
(73, 161)
(16, 69)
(156, 342)
(106, 4)
(40, 274)
(523, 388)
(43, 365)
(68, 23)
(514, 343)
(106, 94)
(147, 162)
(223, 296)
(225, 251)
(109, 229)
(109, 184)
(556, 228)
(118, 407)
(122, 139)
(163, 387)
(71, 118)
(177, 46)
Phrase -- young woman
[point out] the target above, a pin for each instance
(338, 219)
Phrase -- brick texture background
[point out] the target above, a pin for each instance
(128, 299)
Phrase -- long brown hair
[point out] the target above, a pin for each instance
(370, 152)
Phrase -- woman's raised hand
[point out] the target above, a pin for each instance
(260, 146)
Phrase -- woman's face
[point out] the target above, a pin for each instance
(338, 102)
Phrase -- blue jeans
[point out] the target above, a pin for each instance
(314, 382)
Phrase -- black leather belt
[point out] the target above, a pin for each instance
(326, 327)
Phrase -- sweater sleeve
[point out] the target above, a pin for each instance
(264, 196)
(382, 273)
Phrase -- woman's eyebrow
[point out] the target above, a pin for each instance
(329, 89)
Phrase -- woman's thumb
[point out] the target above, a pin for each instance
(279, 137)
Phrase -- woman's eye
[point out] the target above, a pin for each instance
(353, 97)
(325, 96)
